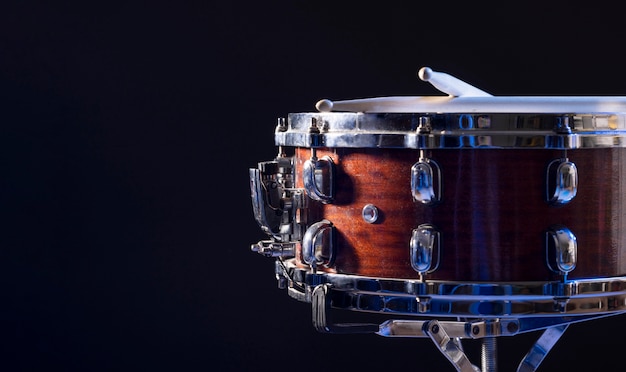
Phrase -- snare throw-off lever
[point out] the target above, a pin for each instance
(277, 207)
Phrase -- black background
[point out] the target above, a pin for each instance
(126, 134)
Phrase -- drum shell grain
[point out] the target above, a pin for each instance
(492, 217)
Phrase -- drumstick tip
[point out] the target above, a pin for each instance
(425, 73)
(324, 105)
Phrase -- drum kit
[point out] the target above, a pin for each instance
(464, 216)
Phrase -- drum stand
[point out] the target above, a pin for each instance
(447, 338)
(447, 335)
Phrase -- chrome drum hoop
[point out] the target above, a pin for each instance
(434, 131)
(463, 299)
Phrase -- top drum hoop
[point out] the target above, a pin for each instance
(437, 131)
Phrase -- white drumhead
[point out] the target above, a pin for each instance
(493, 104)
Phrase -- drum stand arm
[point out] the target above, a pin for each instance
(450, 347)
(540, 349)
(452, 350)
(447, 337)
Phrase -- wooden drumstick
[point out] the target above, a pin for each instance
(324, 105)
(446, 83)
(463, 97)
(449, 84)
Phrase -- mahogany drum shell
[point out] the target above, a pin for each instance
(492, 217)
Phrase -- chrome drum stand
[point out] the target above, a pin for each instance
(449, 312)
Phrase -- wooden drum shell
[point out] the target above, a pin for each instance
(492, 218)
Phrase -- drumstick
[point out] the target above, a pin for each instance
(463, 97)
(324, 105)
(449, 84)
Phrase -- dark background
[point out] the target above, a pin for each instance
(126, 134)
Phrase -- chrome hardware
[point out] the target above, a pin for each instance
(562, 125)
(314, 131)
(318, 244)
(281, 125)
(561, 181)
(424, 126)
(282, 275)
(541, 347)
(322, 321)
(370, 213)
(490, 310)
(277, 207)
(424, 249)
(447, 336)
(319, 178)
(458, 329)
(561, 248)
(488, 354)
(448, 131)
(466, 121)
(560, 303)
(449, 347)
(313, 127)
(533, 300)
(426, 181)
(423, 304)
(270, 248)
(266, 195)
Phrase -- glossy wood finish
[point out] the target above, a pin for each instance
(492, 217)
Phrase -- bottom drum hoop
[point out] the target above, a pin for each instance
(580, 297)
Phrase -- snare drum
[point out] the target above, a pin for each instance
(508, 212)
(451, 200)
(498, 197)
